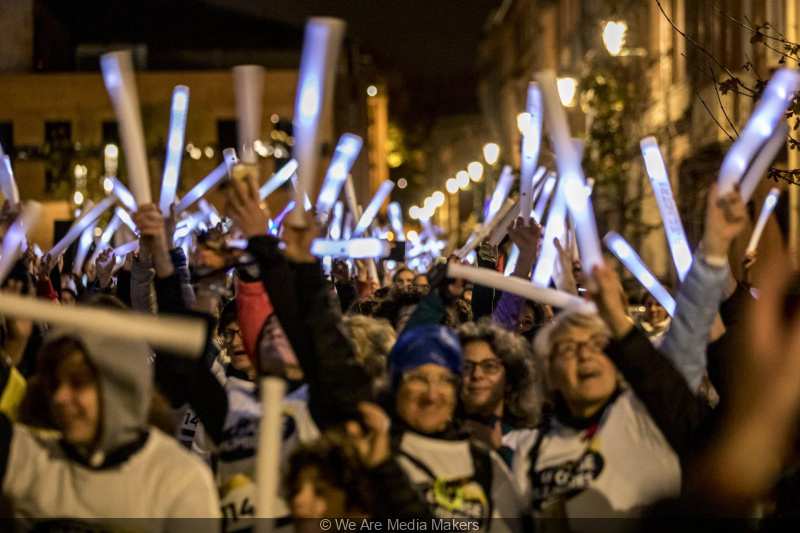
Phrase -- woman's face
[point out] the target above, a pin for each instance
(484, 379)
(580, 370)
(526, 320)
(426, 399)
(76, 401)
(654, 312)
(276, 351)
(314, 497)
(67, 298)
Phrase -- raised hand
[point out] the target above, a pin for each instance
(726, 217)
(563, 274)
(298, 240)
(487, 252)
(104, 266)
(372, 445)
(47, 264)
(244, 207)
(152, 236)
(340, 271)
(610, 299)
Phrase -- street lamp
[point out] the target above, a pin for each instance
(462, 178)
(567, 87)
(475, 171)
(491, 153)
(451, 185)
(523, 119)
(614, 33)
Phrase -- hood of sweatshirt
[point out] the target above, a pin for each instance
(125, 378)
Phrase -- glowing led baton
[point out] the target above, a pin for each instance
(623, 251)
(125, 249)
(123, 194)
(84, 243)
(547, 190)
(504, 183)
(354, 248)
(279, 178)
(248, 84)
(486, 230)
(126, 219)
(573, 183)
(513, 257)
(769, 205)
(210, 212)
(531, 143)
(347, 226)
(229, 156)
(501, 230)
(321, 44)
(335, 229)
(553, 229)
(177, 133)
(178, 335)
(81, 224)
(372, 209)
(120, 83)
(15, 236)
(205, 185)
(105, 238)
(769, 113)
(676, 237)
(762, 161)
(341, 163)
(278, 220)
(519, 286)
(396, 220)
(7, 183)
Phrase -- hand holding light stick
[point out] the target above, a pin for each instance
(372, 209)
(279, 178)
(125, 249)
(202, 188)
(343, 158)
(120, 82)
(268, 457)
(15, 236)
(762, 161)
(676, 237)
(7, 183)
(77, 229)
(248, 84)
(531, 143)
(501, 229)
(766, 118)
(504, 183)
(486, 230)
(518, 286)
(84, 243)
(210, 212)
(396, 220)
(178, 335)
(105, 238)
(623, 251)
(321, 44)
(176, 136)
(547, 190)
(573, 184)
(123, 194)
(769, 205)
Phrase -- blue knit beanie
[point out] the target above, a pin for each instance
(425, 345)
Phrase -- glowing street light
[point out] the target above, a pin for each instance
(372, 90)
(414, 212)
(614, 34)
(567, 87)
(451, 185)
(491, 153)
(462, 178)
(523, 119)
(438, 198)
(475, 171)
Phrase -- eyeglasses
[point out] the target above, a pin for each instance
(569, 349)
(229, 334)
(421, 380)
(490, 367)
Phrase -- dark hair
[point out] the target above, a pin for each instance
(400, 269)
(462, 310)
(107, 301)
(227, 316)
(336, 461)
(538, 312)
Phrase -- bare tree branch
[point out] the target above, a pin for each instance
(714, 118)
(719, 99)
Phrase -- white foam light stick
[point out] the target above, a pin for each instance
(769, 205)
(248, 84)
(188, 224)
(553, 229)
(676, 236)
(178, 335)
(513, 257)
(526, 200)
(347, 226)
(573, 183)
(84, 243)
(396, 220)
(7, 183)
(486, 230)
(372, 209)
(176, 136)
(547, 191)
(768, 115)
(623, 251)
(335, 228)
(519, 286)
(105, 238)
(126, 219)
(205, 185)
(762, 161)
(321, 44)
(501, 230)
(210, 212)
(120, 83)
(279, 178)
(125, 249)
(272, 391)
(230, 159)
(278, 220)
(354, 248)
(81, 224)
(504, 183)
(123, 194)
(15, 236)
(343, 158)
(531, 143)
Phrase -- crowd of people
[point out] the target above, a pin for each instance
(409, 396)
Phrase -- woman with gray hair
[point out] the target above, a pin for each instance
(503, 387)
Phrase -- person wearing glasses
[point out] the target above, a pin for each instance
(502, 390)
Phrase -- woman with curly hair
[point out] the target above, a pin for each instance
(503, 389)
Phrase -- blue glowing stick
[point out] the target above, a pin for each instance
(353, 248)
(86, 240)
(623, 251)
(205, 185)
(769, 205)
(553, 229)
(125, 218)
(343, 158)
(279, 178)
(504, 183)
(531, 143)
(177, 133)
(7, 183)
(248, 84)
(123, 194)
(372, 209)
(544, 196)
(335, 230)
(396, 220)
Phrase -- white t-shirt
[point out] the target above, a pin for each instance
(160, 481)
(626, 465)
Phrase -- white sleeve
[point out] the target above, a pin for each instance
(27, 459)
(506, 501)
